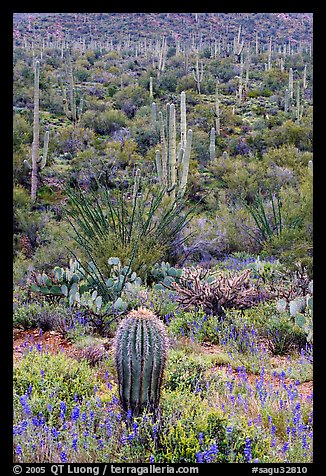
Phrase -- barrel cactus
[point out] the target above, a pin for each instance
(141, 345)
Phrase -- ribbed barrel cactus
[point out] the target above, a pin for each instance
(141, 346)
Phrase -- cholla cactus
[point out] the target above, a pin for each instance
(141, 346)
(217, 293)
(93, 354)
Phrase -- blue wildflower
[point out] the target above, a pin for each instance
(75, 413)
(247, 450)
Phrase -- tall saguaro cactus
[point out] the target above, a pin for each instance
(141, 346)
(183, 123)
(291, 82)
(217, 112)
(212, 144)
(173, 164)
(38, 162)
(198, 74)
(36, 131)
(74, 114)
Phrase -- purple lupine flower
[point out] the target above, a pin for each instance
(63, 457)
(18, 450)
(75, 413)
(23, 401)
(199, 457)
(63, 408)
(286, 446)
(229, 430)
(247, 450)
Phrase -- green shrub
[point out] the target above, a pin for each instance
(283, 336)
(193, 430)
(185, 372)
(197, 325)
(51, 379)
(104, 123)
(42, 315)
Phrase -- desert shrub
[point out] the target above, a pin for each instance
(288, 156)
(70, 140)
(197, 325)
(49, 379)
(161, 301)
(43, 315)
(185, 372)
(53, 244)
(192, 430)
(22, 131)
(282, 335)
(104, 123)
(131, 98)
(295, 242)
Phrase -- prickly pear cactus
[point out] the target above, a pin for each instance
(141, 346)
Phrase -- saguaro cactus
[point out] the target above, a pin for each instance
(217, 112)
(173, 165)
(38, 162)
(74, 114)
(198, 74)
(212, 144)
(238, 46)
(162, 56)
(36, 131)
(141, 346)
(291, 82)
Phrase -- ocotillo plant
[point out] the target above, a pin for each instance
(141, 346)
(172, 165)
(37, 160)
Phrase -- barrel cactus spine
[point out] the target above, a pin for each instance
(141, 346)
